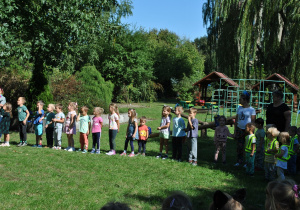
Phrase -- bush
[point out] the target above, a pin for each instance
(96, 91)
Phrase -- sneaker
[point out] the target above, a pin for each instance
(113, 152)
(93, 151)
(39, 146)
(54, 147)
(123, 154)
(20, 144)
(245, 166)
(24, 144)
(70, 149)
(237, 164)
(79, 150)
(165, 157)
(131, 155)
(35, 145)
(138, 154)
(84, 151)
(194, 163)
(159, 155)
(143, 154)
(190, 162)
(98, 151)
(58, 148)
(67, 149)
(5, 144)
(109, 153)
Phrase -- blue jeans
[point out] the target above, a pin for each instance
(250, 163)
(291, 165)
(129, 138)
(112, 134)
(96, 140)
(280, 173)
(270, 171)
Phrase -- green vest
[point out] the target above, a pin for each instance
(284, 159)
(248, 147)
(291, 147)
(272, 145)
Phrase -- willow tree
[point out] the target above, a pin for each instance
(47, 31)
(253, 38)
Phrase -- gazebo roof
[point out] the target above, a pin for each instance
(215, 77)
(277, 76)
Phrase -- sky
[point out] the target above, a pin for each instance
(184, 17)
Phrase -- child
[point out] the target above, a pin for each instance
(293, 149)
(177, 200)
(271, 148)
(6, 114)
(283, 155)
(250, 145)
(143, 135)
(220, 139)
(38, 124)
(58, 126)
(260, 136)
(178, 135)
(49, 125)
(282, 195)
(96, 129)
(114, 127)
(23, 115)
(131, 132)
(164, 131)
(2, 102)
(70, 126)
(192, 134)
(84, 129)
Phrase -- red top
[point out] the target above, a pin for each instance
(143, 129)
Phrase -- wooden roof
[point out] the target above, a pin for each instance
(277, 76)
(215, 77)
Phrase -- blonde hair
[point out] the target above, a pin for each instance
(114, 106)
(60, 106)
(52, 106)
(23, 99)
(273, 131)
(98, 110)
(40, 102)
(8, 109)
(251, 126)
(143, 118)
(167, 108)
(193, 110)
(179, 108)
(282, 195)
(133, 113)
(73, 105)
(84, 108)
(284, 137)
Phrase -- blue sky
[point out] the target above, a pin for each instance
(184, 17)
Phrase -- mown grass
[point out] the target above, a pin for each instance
(34, 178)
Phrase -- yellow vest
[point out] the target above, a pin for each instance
(291, 147)
(248, 147)
(271, 147)
(284, 159)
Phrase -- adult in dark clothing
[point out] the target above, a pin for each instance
(278, 113)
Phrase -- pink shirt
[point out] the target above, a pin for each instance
(96, 128)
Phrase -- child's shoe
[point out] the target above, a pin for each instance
(190, 161)
(24, 144)
(84, 151)
(79, 150)
(98, 151)
(112, 152)
(131, 155)
(54, 147)
(20, 144)
(58, 147)
(109, 153)
(194, 163)
(67, 149)
(159, 155)
(165, 157)
(70, 149)
(123, 154)
(93, 151)
(5, 144)
(143, 154)
(39, 146)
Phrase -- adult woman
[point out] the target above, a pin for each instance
(245, 114)
(278, 113)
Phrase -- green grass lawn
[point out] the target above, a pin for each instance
(34, 178)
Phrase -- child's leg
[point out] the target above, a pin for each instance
(223, 146)
(69, 140)
(72, 140)
(174, 146)
(189, 148)
(272, 167)
(126, 144)
(94, 136)
(161, 145)
(98, 140)
(55, 137)
(6, 138)
(59, 134)
(218, 147)
(81, 139)
(140, 145)
(251, 163)
(166, 141)
(180, 142)
(291, 165)
(144, 147)
(86, 142)
(194, 148)
(280, 173)
(131, 145)
(112, 137)
(21, 131)
(267, 171)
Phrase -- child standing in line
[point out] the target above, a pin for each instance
(220, 139)
(260, 136)
(164, 129)
(2, 102)
(131, 132)
(178, 135)
(84, 129)
(293, 150)
(114, 127)
(49, 125)
(271, 148)
(70, 126)
(23, 115)
(96, 129)
(282, 195)
(250, 145)
(58, 126)
(5, 111)
(282, 155)
(192, 135)
(143, 135)
(38, 124)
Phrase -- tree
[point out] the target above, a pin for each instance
(49, 31)
(251, 36)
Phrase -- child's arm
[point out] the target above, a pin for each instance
(72, 121)
(42, 113)
(253, 149)
(280, 154)
(27, 115)
(163, 127)
(147, 134)
(229, 134)
(135, 130)
(118, 123)
(88, 132)
(190, 123)
(78, 117)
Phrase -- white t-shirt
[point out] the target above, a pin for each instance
(280, 163)
(244, 116)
